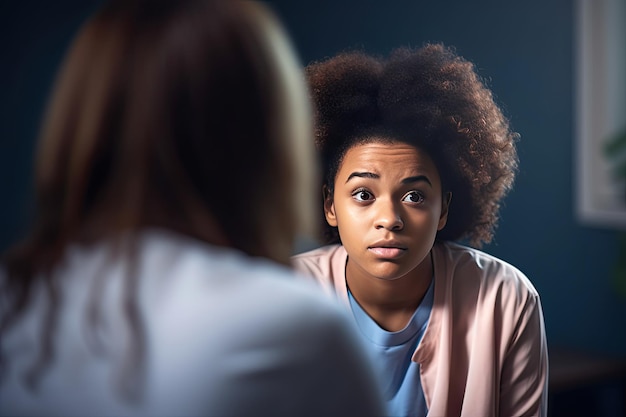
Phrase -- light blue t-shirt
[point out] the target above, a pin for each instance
(391, 352)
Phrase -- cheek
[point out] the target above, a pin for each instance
(345, 221)
(350, 217)
(352, 236)
(426, 222)
(349, 224)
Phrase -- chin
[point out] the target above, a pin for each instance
(387, 275)
(388, 278)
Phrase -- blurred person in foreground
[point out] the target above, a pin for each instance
(173, 174)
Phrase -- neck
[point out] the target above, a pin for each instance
(391, 303)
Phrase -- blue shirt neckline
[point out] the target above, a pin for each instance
(381, 337)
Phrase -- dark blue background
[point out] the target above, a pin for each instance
(524, 49)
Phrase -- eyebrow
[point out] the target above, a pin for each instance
(417, 178)
(408, 180)
(362, 175)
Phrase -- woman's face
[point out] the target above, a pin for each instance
(388, 206)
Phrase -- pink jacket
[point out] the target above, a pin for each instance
(484, 351)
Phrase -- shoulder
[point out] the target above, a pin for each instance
(247, 318)
(230, 288)
(474, 271)
(499, 296)
(208, 271)
(213, 317)
(326, 264)
(319, 256)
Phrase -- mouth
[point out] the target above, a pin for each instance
(387, 250)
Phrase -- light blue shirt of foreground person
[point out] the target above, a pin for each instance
(391, 352)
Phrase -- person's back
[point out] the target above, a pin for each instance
(172, 179)
(225, 335)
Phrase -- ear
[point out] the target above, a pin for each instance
(329, 207)
(445, 205)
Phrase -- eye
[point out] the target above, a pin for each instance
(413, 197)
(362, 195)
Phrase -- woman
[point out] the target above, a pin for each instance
(417, 155)
(171, 178)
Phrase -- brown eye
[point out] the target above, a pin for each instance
(362, 195)
(413, 197)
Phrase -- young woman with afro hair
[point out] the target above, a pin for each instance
(417, 157)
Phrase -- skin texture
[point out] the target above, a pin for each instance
(388, 205)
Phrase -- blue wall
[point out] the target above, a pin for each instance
(525, 50)
(35, 35)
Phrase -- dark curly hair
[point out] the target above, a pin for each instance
(430, 98)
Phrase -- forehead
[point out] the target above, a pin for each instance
(388, 158)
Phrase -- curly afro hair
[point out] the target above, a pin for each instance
(432, 99)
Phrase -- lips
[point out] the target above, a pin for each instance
(387, 249)
(387, 253)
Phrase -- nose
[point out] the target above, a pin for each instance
(388, 216)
